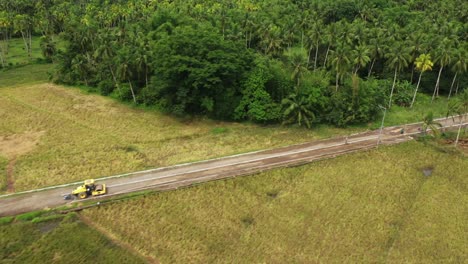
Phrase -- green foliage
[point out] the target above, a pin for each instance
(403, 93)
(199, 71)
(106, 87)
(257, 104)
(357, 102)
(48, 48)
(196, 58)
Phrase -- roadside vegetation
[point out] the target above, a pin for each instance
(369, 207)
(61, 240)
(59, 134)
(291, 62)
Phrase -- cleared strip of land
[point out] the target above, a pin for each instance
(187, 174)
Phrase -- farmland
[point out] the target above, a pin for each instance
(368, 207)
(62, 240)
(68, 135)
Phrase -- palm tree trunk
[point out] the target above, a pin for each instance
(326, 56)
(316, 55)
(393, 87)
(308, 55)
(436, 88)
(416, 91)
(146, 75)
(456, 90)
(451, 86)
(115, 80)
(337, 80)
(371, 67)
(131, 89)
(412, 73)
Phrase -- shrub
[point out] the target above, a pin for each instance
(106, 87)
(356, 102)
(403, 93)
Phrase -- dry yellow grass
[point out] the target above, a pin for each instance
(83, 136)
(371, 207)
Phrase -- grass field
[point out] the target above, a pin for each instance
(371, 207)
(61, 134)
(17, 54)
(66, 135)
(58, 241)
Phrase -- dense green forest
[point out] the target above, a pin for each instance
(275, 61)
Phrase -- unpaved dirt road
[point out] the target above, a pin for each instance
(188, 174)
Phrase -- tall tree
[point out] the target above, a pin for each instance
(459, 66)
(423, 63)
(398, 58)
(340, 61)
(360, 57)
(443, 57)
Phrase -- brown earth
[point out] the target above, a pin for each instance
(18, 144)
(15, 145)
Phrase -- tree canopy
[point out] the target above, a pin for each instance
(250, 59)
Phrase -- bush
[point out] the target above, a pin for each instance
(403, 93)
(356, 102)
(106, 87)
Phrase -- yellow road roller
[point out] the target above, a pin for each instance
(89, 188)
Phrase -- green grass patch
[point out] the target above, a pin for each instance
(369, 207)
(423, 105)
(47, 218)
(18, 55)
(29, 216)
(6, 220)
(24, 75)
(3, 173)
(59, 241)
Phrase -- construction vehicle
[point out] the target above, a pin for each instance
(89, 188)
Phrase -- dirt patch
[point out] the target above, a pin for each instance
(48, 226)
(10, 178)
(19, 144)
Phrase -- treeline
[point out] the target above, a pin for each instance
(266, 61)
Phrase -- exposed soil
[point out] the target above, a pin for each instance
(19, 144)
(115, 240)
(10, 175)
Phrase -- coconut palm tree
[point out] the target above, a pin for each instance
(459, 65)
(360, 57)
(376, 47)
(443, 57)
(297, 59)
(423, 63)
(340, 61)
(398, 58)
(430, 123)
(297, 109)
